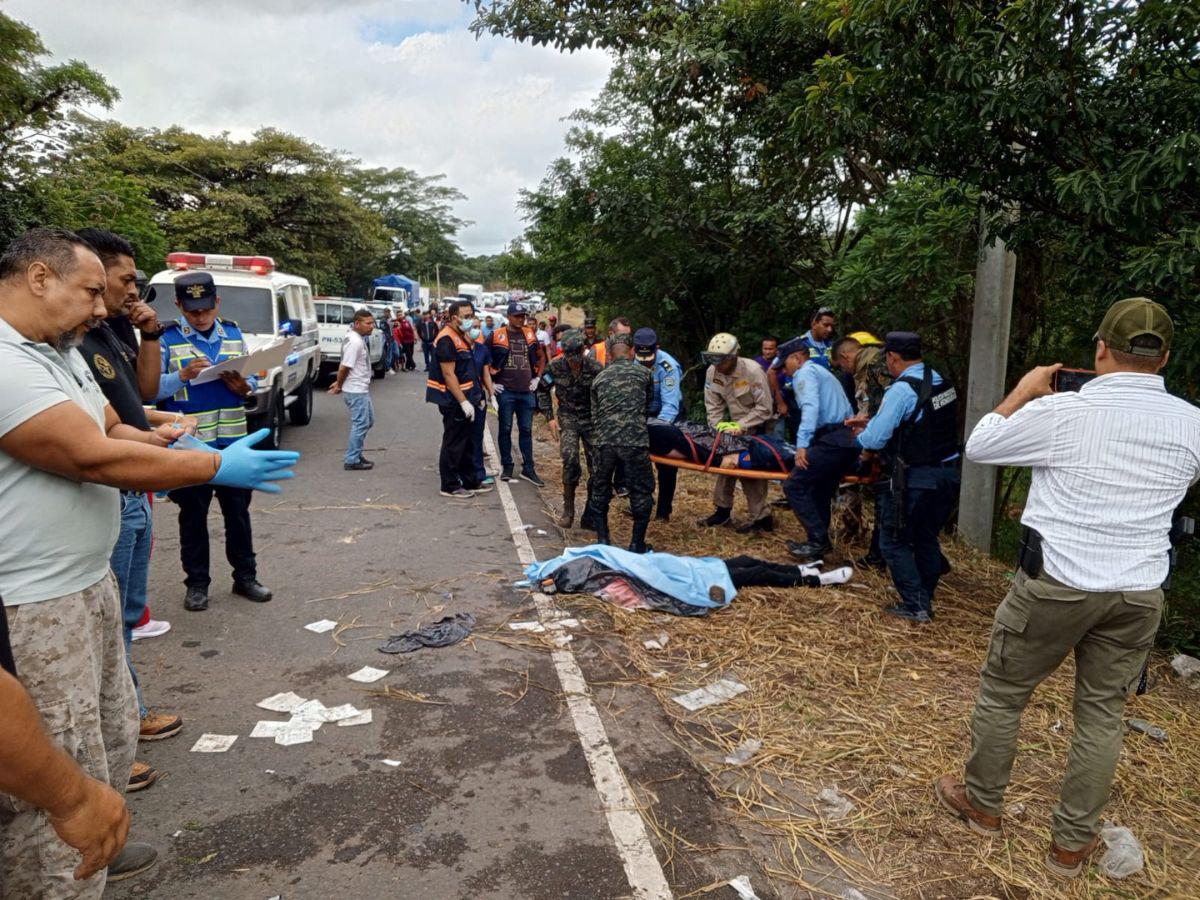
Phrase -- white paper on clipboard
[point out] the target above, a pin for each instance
(259, 361)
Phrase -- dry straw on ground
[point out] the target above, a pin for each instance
(843, 696)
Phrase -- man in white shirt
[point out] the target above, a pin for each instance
(1110, 465)
(354, 383)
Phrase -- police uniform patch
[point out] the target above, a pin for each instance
(104, 367)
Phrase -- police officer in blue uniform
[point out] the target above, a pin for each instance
(189, 347)
(667, 405)
(916, 432)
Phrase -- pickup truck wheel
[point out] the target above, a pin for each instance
(300, 412)
(272, 420)
(378, 371)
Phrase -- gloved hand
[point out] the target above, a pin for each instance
(498, 389)
(244, 467)
(534, 384)
(468, 409)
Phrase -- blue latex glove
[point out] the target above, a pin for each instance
(244, 467)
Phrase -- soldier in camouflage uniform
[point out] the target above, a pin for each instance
(621, 400)
(569, 377)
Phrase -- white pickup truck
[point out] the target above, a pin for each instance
(264, 303)
(335, 315)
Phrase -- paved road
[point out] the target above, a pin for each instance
(494, 798)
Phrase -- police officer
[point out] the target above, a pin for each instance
(667, 405)
(569, 378)
(455, 386)
(737, 399)
(203, 339)
(916, 429)
(621, 398)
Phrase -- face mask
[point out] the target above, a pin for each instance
(466, 324)
(474, 332)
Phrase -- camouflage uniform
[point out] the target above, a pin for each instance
(621, 399)
(574, 395)
(71, 657)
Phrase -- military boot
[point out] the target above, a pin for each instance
(568, 513)
(638, 544)
(602, 536)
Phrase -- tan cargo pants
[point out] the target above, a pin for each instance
(755, 490)
(1037, 625)
(70, 655)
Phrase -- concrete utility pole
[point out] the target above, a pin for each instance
(991, 323)
(437, 271)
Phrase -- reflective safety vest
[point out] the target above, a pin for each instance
(220, 412)
(600, 352)
(500, 343)
(464, 370)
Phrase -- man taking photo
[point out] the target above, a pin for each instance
(1110, 465)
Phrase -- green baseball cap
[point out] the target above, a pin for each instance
(1134, 317)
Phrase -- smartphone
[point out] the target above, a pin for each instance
(1071, 379)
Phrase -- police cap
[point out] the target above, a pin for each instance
(195, 291)
(517, 309)
(787, 348)
(906, 343)
(645, 343)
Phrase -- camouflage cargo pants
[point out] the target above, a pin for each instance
(572, 436)
(70, 654)
(639, 478)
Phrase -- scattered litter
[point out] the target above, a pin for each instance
(1185, 666)
(348, 539)
(659, 674)
(312, 711)
(1151, 731)
(214, 743)
(536, 627)
(658, 642)
(321, 627)
(394, 763)
(284, 703)
(1124, 854)
(741, 885)
(898, 771)
(1016, 810)
(556, 624)
(1057, 727)
(541, 532)
(834, 805)
(745, 750)
(367, 674)
(177, 833)
(363, 718)
(717, 692)
(523, 583)
(853, 894)
(267, 729)
(524, 527)
(442, 633)
(269, 771)
(561, 640)
(337, 713)
(295, 733)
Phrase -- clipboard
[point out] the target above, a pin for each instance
(259, 361)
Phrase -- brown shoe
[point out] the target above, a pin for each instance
(953, 795)
(141, 777)
(158, 727)
(1069, 863)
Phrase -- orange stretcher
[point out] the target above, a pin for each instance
(748, 473)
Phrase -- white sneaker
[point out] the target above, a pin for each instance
(837, 576)
(153, 628)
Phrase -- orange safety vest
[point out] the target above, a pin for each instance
(464, 369)
(500, 339)
(600, 352)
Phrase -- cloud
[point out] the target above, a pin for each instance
(393, 83)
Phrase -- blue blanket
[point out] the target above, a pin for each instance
(686, 578)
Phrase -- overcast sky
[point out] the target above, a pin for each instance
(394, 82)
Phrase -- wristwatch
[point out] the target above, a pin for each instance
(154, 335)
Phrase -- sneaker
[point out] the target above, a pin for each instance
(532, 478)
(952, 794)
(361, 466)
(489, 480)
(506, 474)
(900, 611)
(808, 550)
(141, 777)
(481, 489)
(134, 859)
(159, 727)
(153, 628)
(457, 494)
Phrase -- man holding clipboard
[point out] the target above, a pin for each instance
(189, 347)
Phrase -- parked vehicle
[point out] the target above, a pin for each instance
(335, 315)
(265, 304)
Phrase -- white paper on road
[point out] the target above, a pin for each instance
(717, 692)
(537, 627)
(394, 763)
(321, 627)
(311, 713)
(268, 357)
(337, 713)
(555, 624)
(214, 743)
(741, 884)
(267, 729)
(363, 718)
(366, 675)
(295, 733)
(285, 703)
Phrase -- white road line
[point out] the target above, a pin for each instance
(642, 868)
